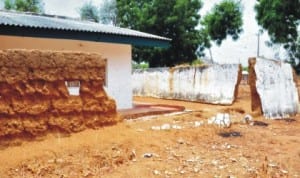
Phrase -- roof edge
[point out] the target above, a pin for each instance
(79, 35)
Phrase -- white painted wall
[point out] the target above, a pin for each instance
(214, 84)
(154, 82)
(276, 88)
(118, 58)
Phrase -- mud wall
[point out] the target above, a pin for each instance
(273, 89)
(34, 98)
(118, 73)
(216, 84)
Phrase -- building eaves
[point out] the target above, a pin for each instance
(17, 20)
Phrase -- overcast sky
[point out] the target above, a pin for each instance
(66, 7)
(228, 52)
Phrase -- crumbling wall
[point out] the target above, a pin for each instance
(216, 84)
(273, 89)
(34, 98)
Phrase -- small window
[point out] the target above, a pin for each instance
(73, 87)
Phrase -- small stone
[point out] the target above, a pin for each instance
(198, 123)
(284, 171)
(165, 127)
(231, 176)
(221, 167)
(221, 119)
(51, 161)
(155, 127)
(233, 160)
(156, 172)
(168, 173)
(59, 160)
(148, 155)
(273, 165)
(215, 162)
(132, 156)
(247, 119)
(177, 127)
(180, 141)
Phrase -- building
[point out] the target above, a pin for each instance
(48, 32)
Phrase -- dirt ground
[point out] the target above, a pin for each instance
(185, 148)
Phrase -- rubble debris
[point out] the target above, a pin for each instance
(221, 119)
(165, 127)
(198, 123)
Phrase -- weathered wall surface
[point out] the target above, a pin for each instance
(118, 73)
(151, 82)
(34, 98)
(273, 89)
(216, 84)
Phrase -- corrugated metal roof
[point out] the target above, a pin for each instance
(67, 24)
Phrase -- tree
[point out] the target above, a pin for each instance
(224, 19)
(108, 12)
(89, 12)
(24, 5)
(175, 19)
(281, 19)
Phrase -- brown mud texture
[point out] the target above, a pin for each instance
(34, 99)
(255, 99)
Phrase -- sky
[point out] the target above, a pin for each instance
(68, 8)
(229, 52)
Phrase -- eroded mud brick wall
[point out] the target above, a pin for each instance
(216, 84)
(34, 97)
(273, 89)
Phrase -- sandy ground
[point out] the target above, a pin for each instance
(135, 148)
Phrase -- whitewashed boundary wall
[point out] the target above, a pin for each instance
(274, 83)
(215, 84)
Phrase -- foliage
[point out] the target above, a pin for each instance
(141, 65)
(246, 68)
(293, 50)
(108, 12)
(89, 12)
(197, 62)
(175, 19)
(24, 5)
(281, 19)
(224, 19)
